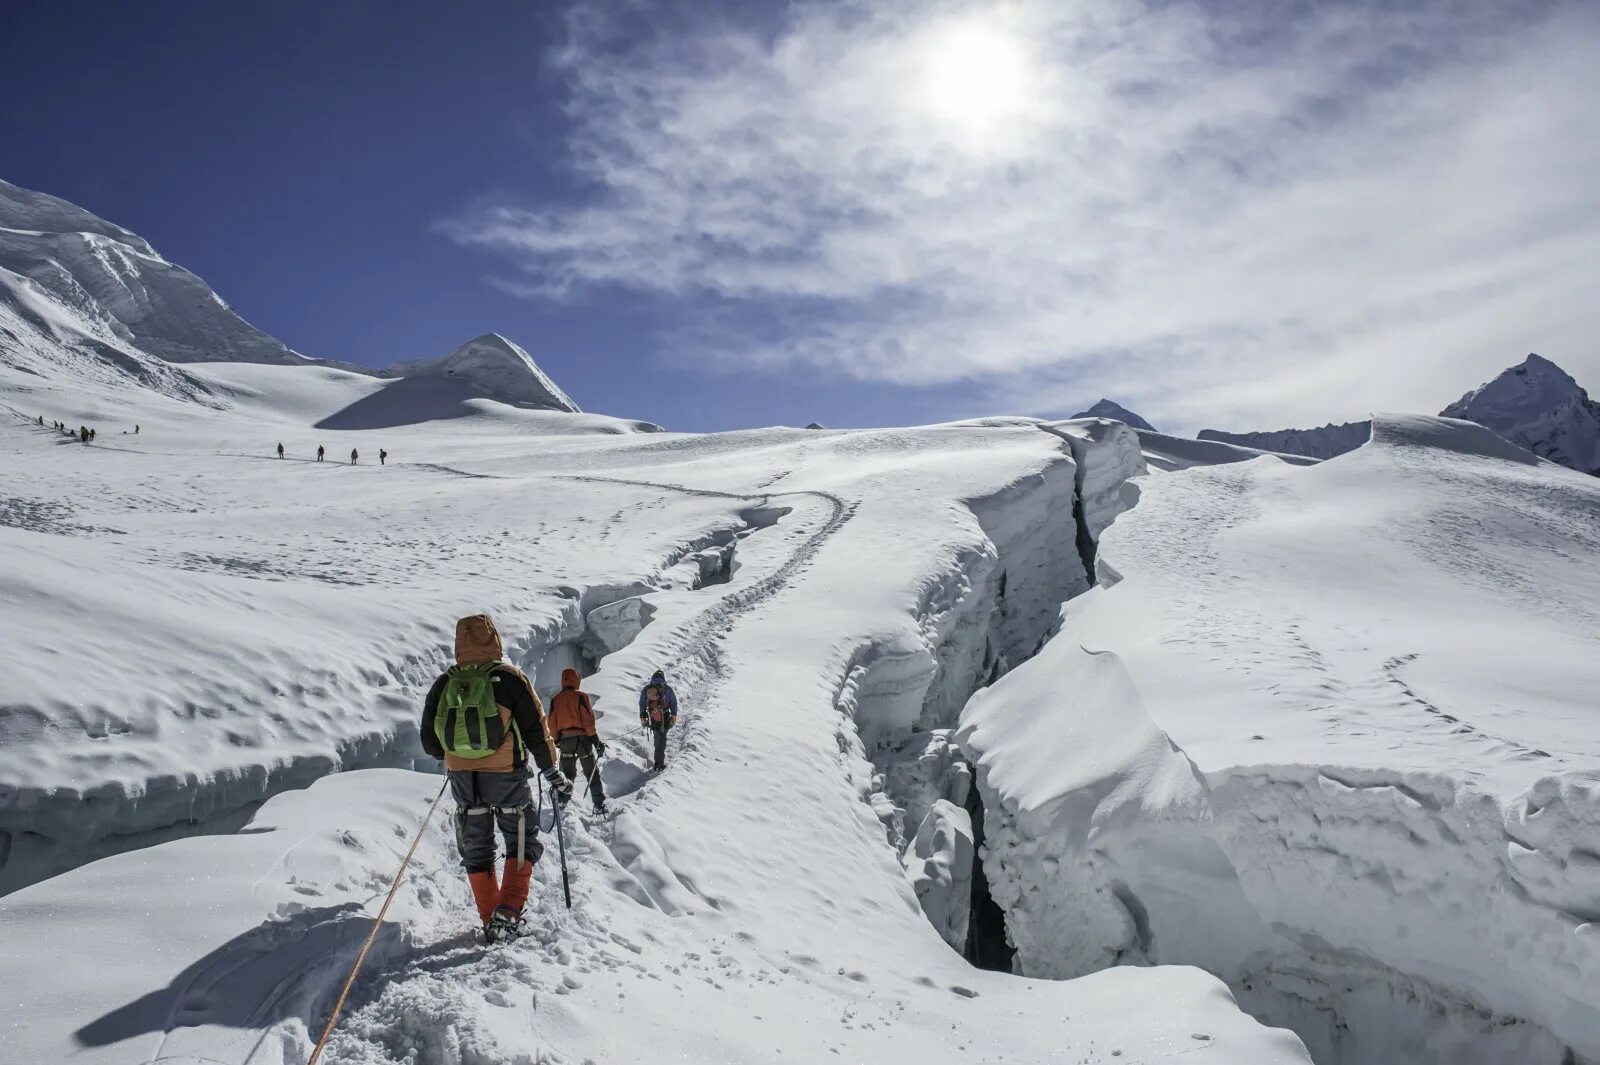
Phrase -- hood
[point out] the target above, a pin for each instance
(477, 640)
(657, 677)
(570, 679)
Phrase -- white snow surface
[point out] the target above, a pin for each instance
(1537, 405)
(1329, 732)
(116, 280)
(195, 627)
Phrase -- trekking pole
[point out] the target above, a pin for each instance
(377, 922)
(589, 780)
(561, 844)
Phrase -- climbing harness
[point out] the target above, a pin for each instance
(479, 811)
(377, 922)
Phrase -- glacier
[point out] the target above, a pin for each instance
(1008, 739)
(1318, 731)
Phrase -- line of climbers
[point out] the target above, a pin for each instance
(484, 719)
(84, 433)
(355, 456)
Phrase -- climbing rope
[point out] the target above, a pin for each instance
(377, 922)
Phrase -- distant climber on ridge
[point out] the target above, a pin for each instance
(484, 719)
(280, 449)
(320, 452)
(572, 724)
(383, 457)
(354, 455)
(658, 712)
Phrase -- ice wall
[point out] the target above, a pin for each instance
(993, 609)
(1382, 918)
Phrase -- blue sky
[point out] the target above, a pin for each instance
(1245, 215)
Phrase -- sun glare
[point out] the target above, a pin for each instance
(975, 74)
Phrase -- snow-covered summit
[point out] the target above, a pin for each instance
(495, 368)
(117, 282)
(1323, 443)
(1537, 405)
(1109, 409)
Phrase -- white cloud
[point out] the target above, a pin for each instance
(1294, 214)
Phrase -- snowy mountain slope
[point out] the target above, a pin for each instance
(821, 600)
(1107, 409)
(43, 339)
(1537, 405)
(496, 369)
(113, 277)
(1323, 443)
(1330, 733)
(83, 298)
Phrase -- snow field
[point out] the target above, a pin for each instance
(745, 905)
(195, 633)
(1328, 733)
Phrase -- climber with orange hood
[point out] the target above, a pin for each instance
(572, 724)
(484, 719)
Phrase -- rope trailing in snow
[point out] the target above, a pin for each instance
(377, 922)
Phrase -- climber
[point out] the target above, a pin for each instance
(319, 452)
(280, 449)
(658, 711)
(353, 456)
(572, 725)
(83, 434)
(484, 719)
(383, 457)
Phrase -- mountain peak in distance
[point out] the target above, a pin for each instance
(1537, 405)
(1109, 409)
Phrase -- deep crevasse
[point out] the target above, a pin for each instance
(1424, 887)
(993, 610)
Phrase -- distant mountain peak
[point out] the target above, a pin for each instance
(1109, 409)
(1537, 405)
(495, 368)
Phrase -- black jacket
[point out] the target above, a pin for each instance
(512, 691)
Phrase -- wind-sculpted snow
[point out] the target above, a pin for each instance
(1331, 735)
(254, 624)
(1322, 443)
(112, 277)
(1169, 453)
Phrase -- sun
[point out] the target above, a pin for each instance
(975, 73)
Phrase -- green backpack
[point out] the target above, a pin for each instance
(467, 721)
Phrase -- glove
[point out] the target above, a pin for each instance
(559, 782)
(599, 748)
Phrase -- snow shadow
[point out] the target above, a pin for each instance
(252, 979)
(408, 401)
